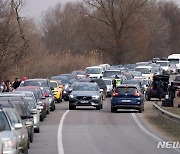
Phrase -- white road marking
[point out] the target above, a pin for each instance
(146, 131)
(59, 135)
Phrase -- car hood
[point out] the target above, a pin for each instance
(84, 93)
(7, 135)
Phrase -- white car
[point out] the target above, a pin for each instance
(109, 86)
(147, 72)
(94, 72)
(165, 65)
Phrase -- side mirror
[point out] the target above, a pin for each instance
(18, 126)
(23, 117)
(2, 128)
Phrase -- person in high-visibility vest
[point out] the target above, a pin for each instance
(116, 82)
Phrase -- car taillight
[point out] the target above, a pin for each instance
(151, 88)
(115, 94)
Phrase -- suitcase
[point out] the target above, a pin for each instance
(167, 102)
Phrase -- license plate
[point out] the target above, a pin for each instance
(84, 102)
(126, 101)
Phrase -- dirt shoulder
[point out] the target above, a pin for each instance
(151, 117)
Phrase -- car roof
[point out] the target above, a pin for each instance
(28, 87)
(144, 67)
(86, 83)
(40, 79)
(161, 61)
(94, 67)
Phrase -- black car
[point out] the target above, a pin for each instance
(86, 94)
(152, 92)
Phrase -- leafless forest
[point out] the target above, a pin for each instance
(77, 35)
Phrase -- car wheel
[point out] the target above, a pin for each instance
(37, 130)
(98, 107)
(41, 117)
(28, 143)
(140, 110)
(102, 104)
(47, 112)
(72, 107)
(66, 99)
(113, 109)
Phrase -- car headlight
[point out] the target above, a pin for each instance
(64, 92)
(71, 96)
(95, 97)
(8, 144)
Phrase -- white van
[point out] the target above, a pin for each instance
(165, 65)
(94, 72)
(147, 71)
(175, 59)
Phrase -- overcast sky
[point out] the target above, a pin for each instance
(34, 8)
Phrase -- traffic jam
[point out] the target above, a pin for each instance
(23, 110)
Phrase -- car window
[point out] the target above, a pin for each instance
(53, 85)
(110, 74)
(143, 70)
(19, 108)
(108, 82)
(4, 121)
(13, 117)
(126, 90)
(177, 78)
(93, 70)
(36, 83)
(85, 88)
(31, 103)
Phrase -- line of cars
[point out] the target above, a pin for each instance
(22, 110)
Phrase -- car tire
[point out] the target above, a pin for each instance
(66, 99)
(72, 107)
(41, 117)
(31, 137)
(37, 130)
(47, 112)
(140, 110)
(113, 109)
(98, 107)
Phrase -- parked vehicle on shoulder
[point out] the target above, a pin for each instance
(152, 91)
(14, 134)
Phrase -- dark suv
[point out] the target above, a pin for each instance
(152, 89)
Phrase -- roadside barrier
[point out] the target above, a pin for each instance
(169, 119)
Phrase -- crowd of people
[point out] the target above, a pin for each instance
(8, 86)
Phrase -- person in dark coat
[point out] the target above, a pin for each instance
(172, 93)
(16, 83)
(160, 89)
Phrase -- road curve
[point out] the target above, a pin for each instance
(87, 131)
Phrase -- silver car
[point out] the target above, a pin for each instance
(14, 136)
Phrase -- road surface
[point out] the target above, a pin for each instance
(87, 131)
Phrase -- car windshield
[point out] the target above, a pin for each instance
(4, 121)
(174, 61)
(126, 90)
(109, 74)
(36, 83)
(13, 118)
(93, 70)
(108, 82)
(177, 78)
(31, 103)
(131, 82)
(64, 79)
(53, 85)
(85, 88)
(143, 70)
(137, 74)
(162, 63)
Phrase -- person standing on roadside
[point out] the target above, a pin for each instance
(172, 93)
(8, 86)
(16, 83)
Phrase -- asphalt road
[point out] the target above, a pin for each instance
(87, 131)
